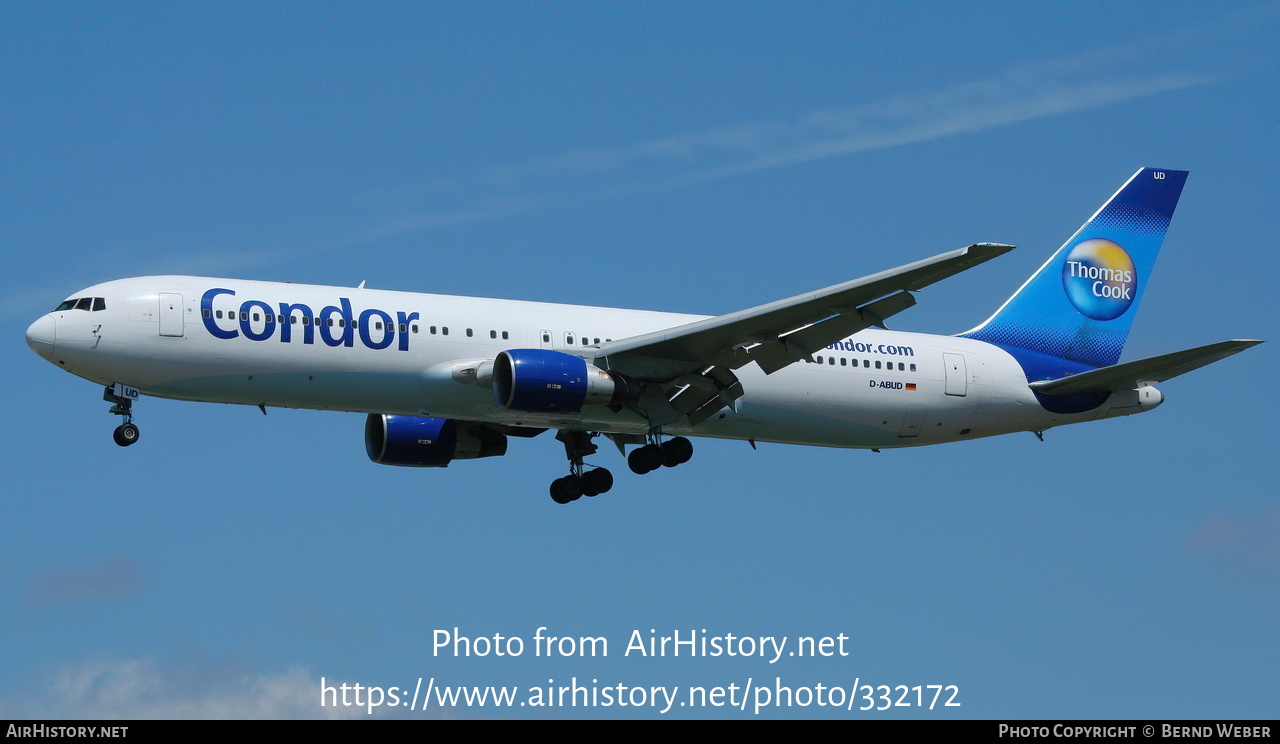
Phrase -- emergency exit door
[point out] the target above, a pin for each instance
(170, 314)
(957, 377)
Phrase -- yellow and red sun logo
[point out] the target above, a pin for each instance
(1100, 279)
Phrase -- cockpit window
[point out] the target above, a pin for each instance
(83, 303)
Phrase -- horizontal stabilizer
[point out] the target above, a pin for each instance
(1137, 373)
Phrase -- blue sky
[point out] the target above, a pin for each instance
(690, 157)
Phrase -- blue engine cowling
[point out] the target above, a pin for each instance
(421, 442)
(548, 381)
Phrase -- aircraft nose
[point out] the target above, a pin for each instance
(40, 336)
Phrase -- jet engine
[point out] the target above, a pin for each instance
(546, 381)
(422, 442)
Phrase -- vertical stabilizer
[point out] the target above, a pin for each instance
(1081, 303)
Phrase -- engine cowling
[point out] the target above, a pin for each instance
(422, 442)
(547, 381)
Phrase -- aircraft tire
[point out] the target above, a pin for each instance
(639, 461)
(596, 482)
(125, 434)
(676, 452)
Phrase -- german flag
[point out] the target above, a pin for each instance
(911, 386)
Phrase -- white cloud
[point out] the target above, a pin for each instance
(117, 576)
(1242, 544)
(139, 689)
(1017, 94)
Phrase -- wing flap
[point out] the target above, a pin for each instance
(785, 350)
(1130, 375)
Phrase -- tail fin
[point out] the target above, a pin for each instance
(1079, 306)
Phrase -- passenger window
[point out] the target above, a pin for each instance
(844, 362)
(504, 335)
(415, 327)
(493, 334)
(402, 328)
(913, 366)
(432, 330)
(444, 331)
(244, 315)
(546, 338)
(255, 317)
(831, 361)
(818, 360)
(469, 333)
(877, 364)
(866, 363)
(902, 367)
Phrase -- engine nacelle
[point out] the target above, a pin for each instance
(421, 442)
(549, 381)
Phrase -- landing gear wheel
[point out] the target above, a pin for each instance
(125, 434)
(652, 455)
(645, 459)
(676, 451)
(566, 489)
(596, 482)
(636, 462)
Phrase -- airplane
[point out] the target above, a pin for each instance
(444, 378)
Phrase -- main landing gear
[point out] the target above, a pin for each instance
(657, 454)
(122, 405)
(579, 482)
(647, 458)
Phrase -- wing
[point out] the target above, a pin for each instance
(692, 365)
(1130, 375)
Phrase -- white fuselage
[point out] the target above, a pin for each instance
(376, 351)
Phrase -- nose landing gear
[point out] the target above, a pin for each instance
(122, 397)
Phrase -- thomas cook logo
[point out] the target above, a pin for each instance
(1099, 279)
